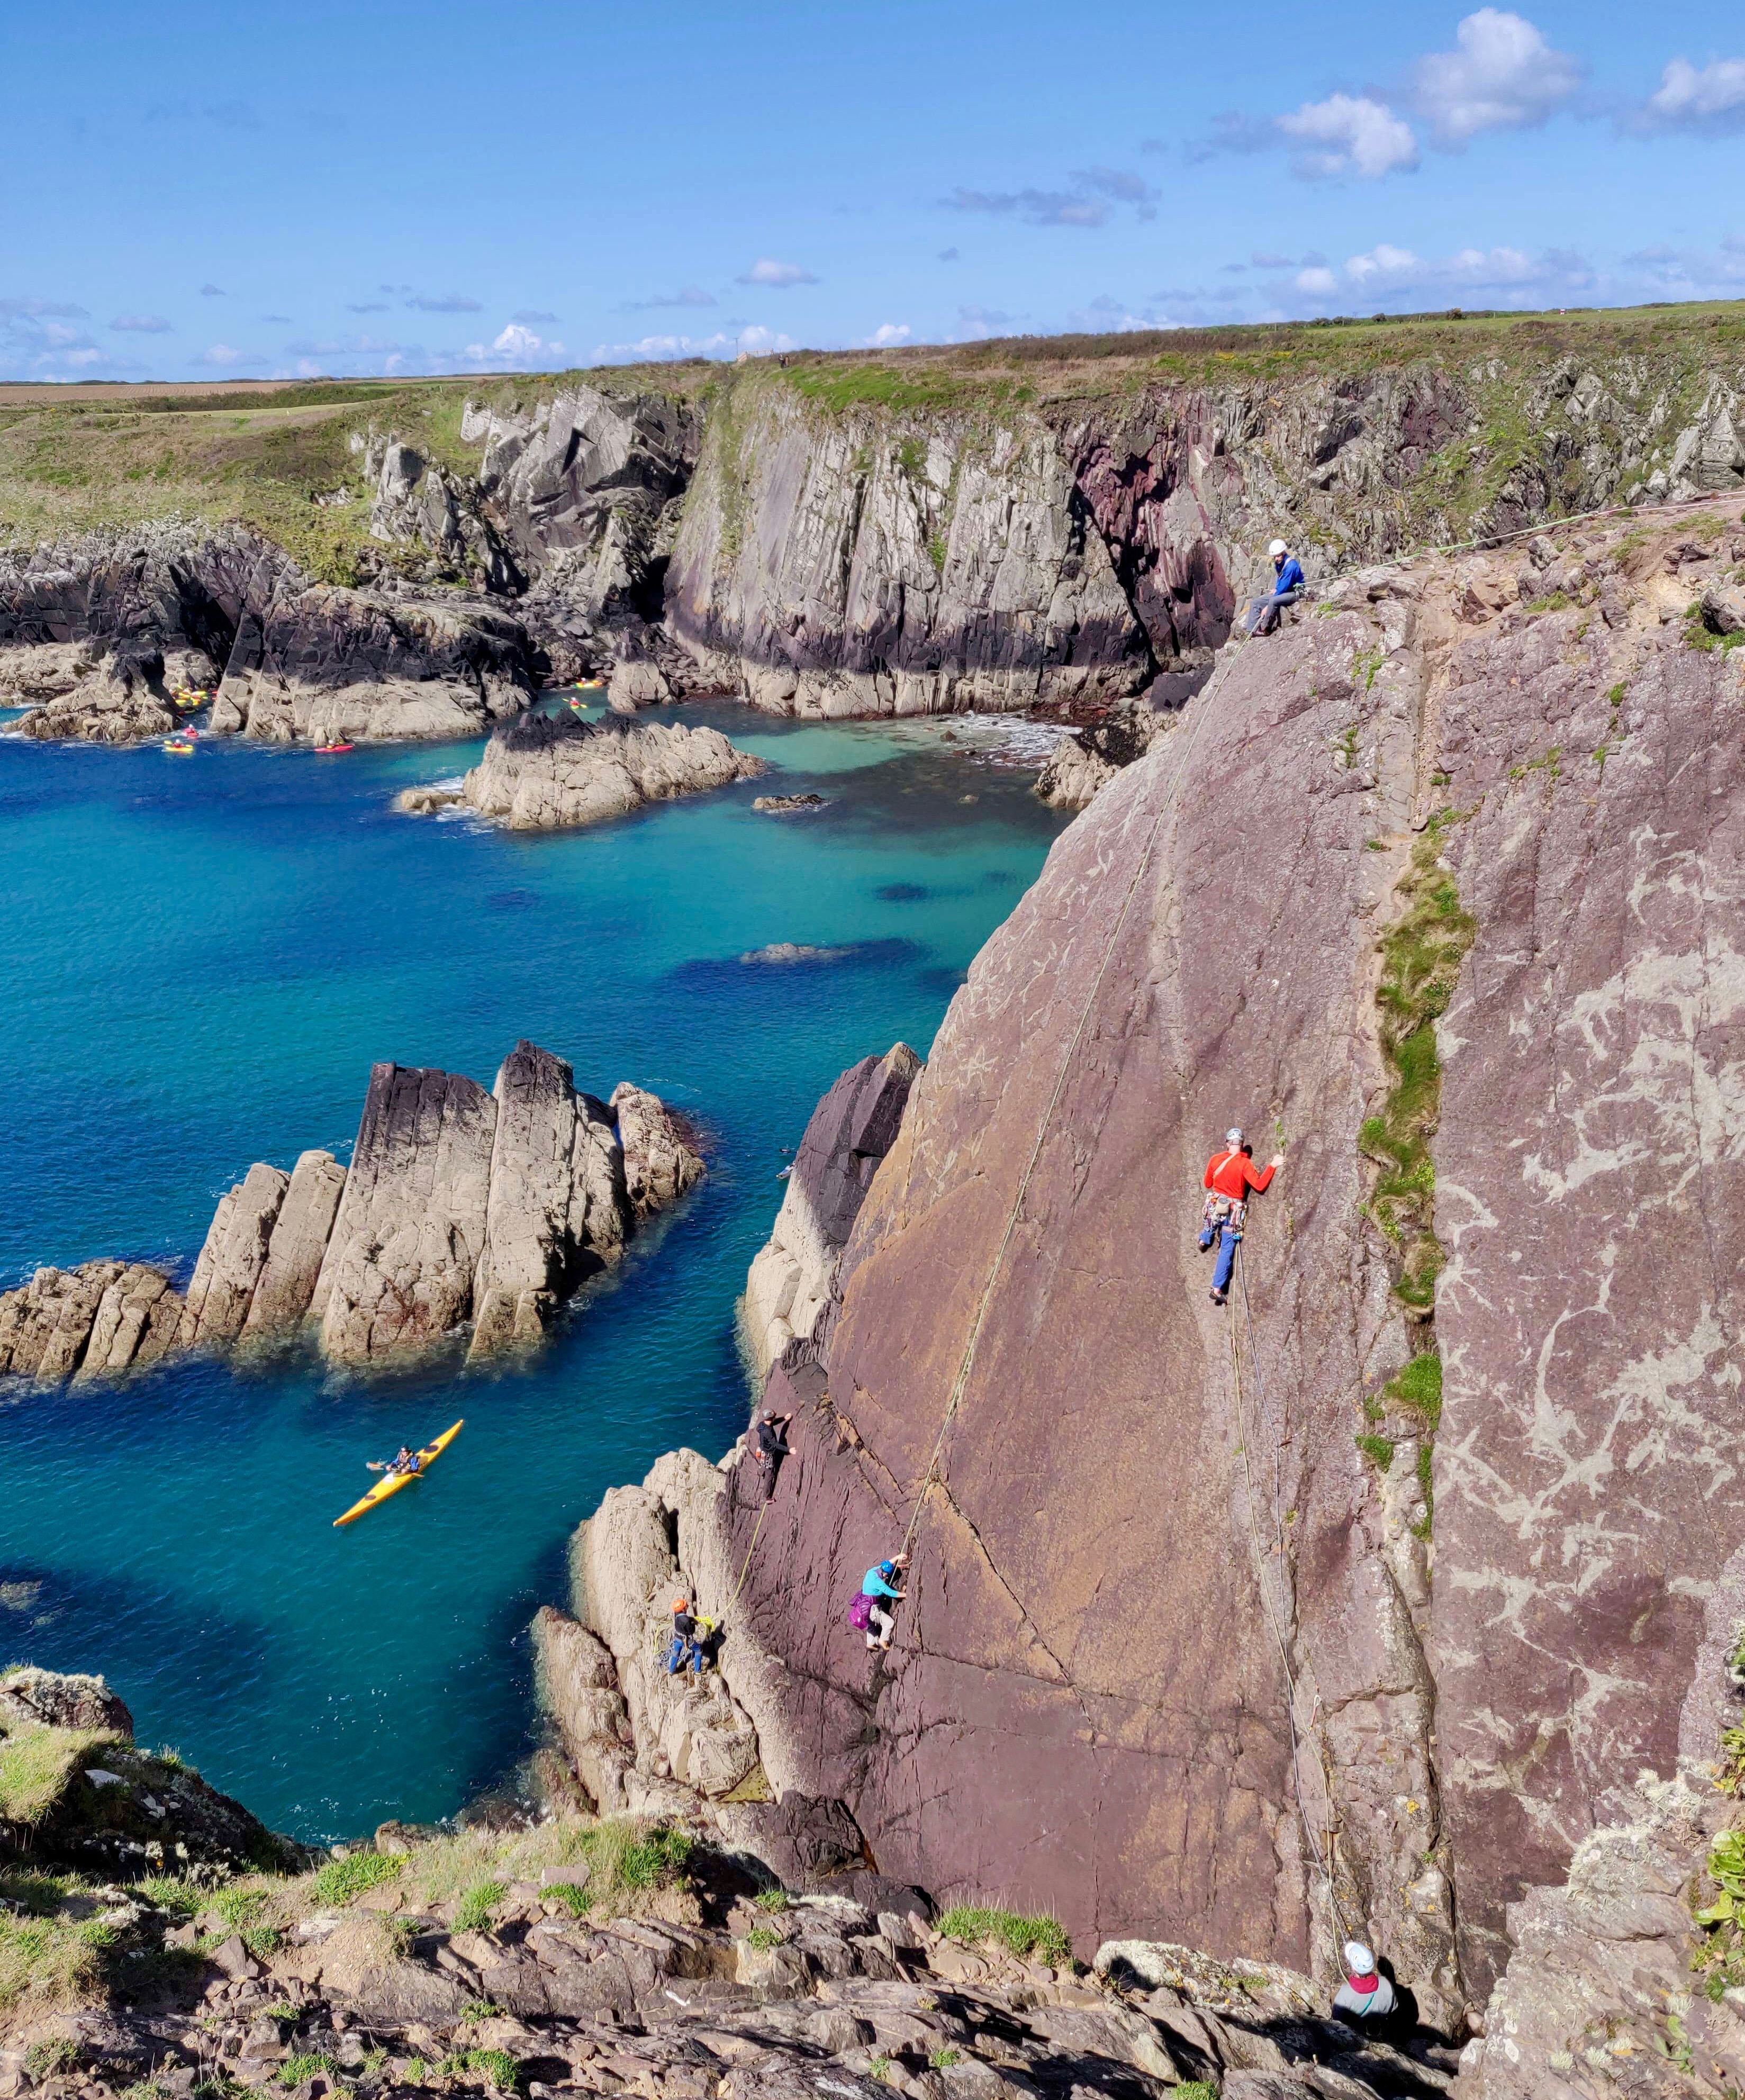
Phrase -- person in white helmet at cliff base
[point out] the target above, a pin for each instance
(1289, 585)
(1366, 2000)
(1229, 1176)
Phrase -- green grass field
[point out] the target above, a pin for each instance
(72, 457)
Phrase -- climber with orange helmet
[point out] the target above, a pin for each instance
(1230, 1174)
(686, 1648)
(1289, 585)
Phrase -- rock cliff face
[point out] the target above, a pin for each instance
(1192, 1644)
(459, 1207)
(871, 561)
(94, 629)
(543, 772)
(792, 1276)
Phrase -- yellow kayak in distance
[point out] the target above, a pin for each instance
(392, 1483)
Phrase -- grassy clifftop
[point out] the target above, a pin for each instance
(263, 454)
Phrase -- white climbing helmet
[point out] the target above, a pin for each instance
(1277, 547)
(1232, 1137)
(1359, 1959)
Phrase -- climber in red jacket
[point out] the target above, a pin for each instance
(1229, 1176)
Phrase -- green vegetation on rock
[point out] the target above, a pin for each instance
(473, 1911)
(38, 1765)
(340, 1879)
(1043, 1937)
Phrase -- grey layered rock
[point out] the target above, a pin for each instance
(863, 582)
(578, 1688)
(792, 1277)
(541, 773)
(45, 671)
(121, 700)
(138, 1319)
(411, 1223)
(327, 665)
(660, 1163)
(558, 1208)
(221, 1290)
(286, 1285)
(451, 1210)
(45, 1323)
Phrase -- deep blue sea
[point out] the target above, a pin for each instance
(200, 959)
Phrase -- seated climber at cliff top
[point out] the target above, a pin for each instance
(1262, 615)
(1229, 1176)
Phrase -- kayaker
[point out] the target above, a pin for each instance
(405, 1460)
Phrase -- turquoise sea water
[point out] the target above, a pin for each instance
(201, 958)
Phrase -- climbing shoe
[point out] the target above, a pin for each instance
(1219, 1297)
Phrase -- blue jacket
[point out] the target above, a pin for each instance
(1290, 577)
(876, 1586)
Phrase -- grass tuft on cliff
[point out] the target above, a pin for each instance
(38, 1765)
(1041, 1939)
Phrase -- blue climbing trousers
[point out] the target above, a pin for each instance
(1229, 1239)
(680, 1652)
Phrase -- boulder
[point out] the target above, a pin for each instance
(1073, 775)
(33, 672)
(138, 1319)
(231, 1261)
(286, 1286)
(578, 1688)
(398, 1273)
(782, 805)
(557, 1208)
(545, 773)
(45, 1323)
(121, 699)
(47, 1699)
(791, 1278)
(327, 665)
(660, 1163)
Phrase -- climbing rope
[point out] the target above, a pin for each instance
(1201, 709)
(1312, 1851)
(745, 1564)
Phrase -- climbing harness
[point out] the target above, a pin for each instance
(1220, 1210)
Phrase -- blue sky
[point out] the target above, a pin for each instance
(196, 189)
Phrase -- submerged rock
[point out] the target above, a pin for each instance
(778, 805)
(545, 773)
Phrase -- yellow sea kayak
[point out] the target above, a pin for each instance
(391, 1484)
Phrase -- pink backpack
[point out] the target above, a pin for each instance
(860, 1613)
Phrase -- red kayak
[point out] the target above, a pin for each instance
(327, 750)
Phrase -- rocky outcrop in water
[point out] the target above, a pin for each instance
(792, 1277)
(541, 772)
(460, 1207)
(1350, 1607)
(100, 628)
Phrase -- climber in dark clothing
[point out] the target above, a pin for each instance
(769, 1444)
(1229, 1176)
(685, 1647)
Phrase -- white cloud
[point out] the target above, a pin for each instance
(222, 357)
(520, 346)
(756, 341)
(773, 276)
(1709, 99)
(1349, 135)
(1385, 269)
(888, 334)
(1503, 75)
(140, 324)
